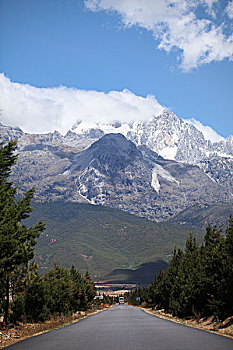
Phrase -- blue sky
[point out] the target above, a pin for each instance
(108, 45)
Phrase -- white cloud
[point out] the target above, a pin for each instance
(175, 24)
(41, 110)
(229, 10)
(207, 131)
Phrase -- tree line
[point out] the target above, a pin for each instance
(24, 293)
(198, 281)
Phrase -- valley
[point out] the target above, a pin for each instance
(113, 245)
(116, 198)
(102, 239)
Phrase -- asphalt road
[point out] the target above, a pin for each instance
(125, 328)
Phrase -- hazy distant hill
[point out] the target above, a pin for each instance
(102, 239)
(142, 274)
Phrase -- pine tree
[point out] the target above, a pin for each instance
(77, 289)
(34, 298)
(16, 240)
(213, 268)
(175, 277)
(228, 271)
(58, 288)
(188, 280)
(90, 287)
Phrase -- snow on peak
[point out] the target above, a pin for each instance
(208, 133)
(168, 152)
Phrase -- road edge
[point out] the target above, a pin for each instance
(182, 322)
(80, 318)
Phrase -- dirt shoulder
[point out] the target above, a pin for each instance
(209, 324)
(15, 333)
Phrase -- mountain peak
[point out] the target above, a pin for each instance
(112, 151)
(116, 146)
(115, 140)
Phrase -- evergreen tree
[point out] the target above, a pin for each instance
(35, 308)
(16, 240)
(227, 282)
(198, 281)
(187, 281)
(213, 268)
(90, 287)
(171, 281)
(77, 289)
(58, 286)
(2, 291)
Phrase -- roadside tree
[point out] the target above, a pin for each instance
(16, 240)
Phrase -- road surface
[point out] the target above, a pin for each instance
(124, 327)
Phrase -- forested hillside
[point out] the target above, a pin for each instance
(102, 239)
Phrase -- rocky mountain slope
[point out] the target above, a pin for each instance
(202, 214)
(166, 134)
(161, 168)
(175, 139)
(114, 172)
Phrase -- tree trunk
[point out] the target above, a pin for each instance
(6, 311)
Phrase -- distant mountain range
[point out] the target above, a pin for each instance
(155, 169)
(174, 139)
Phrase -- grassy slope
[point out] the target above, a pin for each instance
(102, 239)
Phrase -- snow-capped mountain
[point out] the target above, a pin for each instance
(114, 172)
(155, 168)
(175, 139)
(167, 135)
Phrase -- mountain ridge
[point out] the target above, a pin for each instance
(163, 166)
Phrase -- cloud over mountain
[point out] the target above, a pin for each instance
(207, 131)
(201, 30)
(41, 110)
